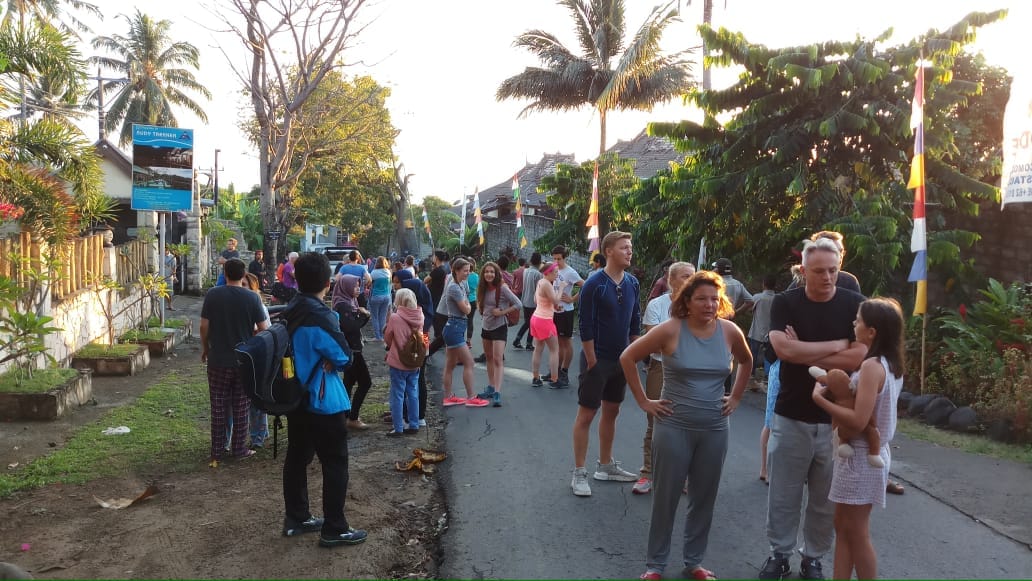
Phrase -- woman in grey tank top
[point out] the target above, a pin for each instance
(690, 437)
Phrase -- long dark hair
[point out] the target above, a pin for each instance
(885, 316)
(482, 287)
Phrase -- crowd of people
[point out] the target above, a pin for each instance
(695, 359)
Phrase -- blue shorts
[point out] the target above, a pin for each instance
(454, 333)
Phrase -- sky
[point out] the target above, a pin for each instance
(443, 61)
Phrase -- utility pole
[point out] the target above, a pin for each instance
(215, 179)
(101, 113)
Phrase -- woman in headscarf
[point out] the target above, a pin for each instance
(352, 318)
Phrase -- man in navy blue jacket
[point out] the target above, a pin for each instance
(610, 318)
(319, 426)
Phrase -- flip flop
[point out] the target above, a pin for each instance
(702, 574)
(894, 488)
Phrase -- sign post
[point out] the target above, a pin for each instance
(162, 178)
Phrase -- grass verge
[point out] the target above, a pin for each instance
(170, 323)
(972, 443)
(42, 380)
(136, 335)
(375, 403)
(168, 426)
(95, 350)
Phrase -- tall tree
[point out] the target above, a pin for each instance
(604, 75)
(157, 76)
(291, 47)
(820, 136)
(570, 188)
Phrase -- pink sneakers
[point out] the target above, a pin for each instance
(453, 400)
(476, 402)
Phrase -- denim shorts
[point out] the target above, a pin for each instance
(454, 333)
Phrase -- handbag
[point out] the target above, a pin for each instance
(512, 318)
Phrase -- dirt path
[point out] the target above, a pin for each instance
(222, 523)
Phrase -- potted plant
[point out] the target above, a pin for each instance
(25, 391)
(111, 358)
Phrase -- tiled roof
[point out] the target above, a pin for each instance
(530, 176)
(652, 154)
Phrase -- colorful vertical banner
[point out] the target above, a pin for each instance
(918, 239)
(592, 222)
(521, 235)
(462, 227)
(477, 218)
(426, 226)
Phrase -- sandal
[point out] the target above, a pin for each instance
(650, 576)
(894, 487)
(702, 574)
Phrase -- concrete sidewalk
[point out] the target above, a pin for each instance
(996, 493)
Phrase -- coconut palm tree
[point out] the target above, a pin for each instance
(154, 81)
(605, 74)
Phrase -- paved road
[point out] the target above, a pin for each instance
(512, 514)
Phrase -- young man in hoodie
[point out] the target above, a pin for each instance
(404, 279)
(319, 426)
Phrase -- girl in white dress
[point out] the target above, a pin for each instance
(857, 485)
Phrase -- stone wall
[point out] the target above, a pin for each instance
(1003, 252)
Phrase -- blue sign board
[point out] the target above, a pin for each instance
(162, 169)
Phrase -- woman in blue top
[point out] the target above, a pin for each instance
(691, 428)
(474, 281)
(380, 296)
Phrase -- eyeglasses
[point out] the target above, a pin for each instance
(619, 295)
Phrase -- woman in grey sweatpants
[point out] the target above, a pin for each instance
(691, 432)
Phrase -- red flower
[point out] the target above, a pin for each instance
(962, 310)
(10, 211)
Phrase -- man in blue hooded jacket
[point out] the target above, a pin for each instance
(319, 426)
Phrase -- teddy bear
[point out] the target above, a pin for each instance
(842, 391)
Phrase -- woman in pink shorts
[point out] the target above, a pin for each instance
(542, 326)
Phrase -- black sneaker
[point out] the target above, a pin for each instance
(517, 344)
(530, 346)
(352, 537)
(559, 384)
(810, 568)
(313, 524)
(775, 567)
(537, 382)
(482, 358)
(564, 374)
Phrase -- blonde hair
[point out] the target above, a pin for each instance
(405, 298)
(821, 244)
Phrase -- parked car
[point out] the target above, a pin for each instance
(338, 254)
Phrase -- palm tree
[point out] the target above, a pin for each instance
(605, 75)
(153, 82)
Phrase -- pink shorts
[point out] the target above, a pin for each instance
(541, 328)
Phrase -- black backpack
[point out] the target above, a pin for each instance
(266, 366)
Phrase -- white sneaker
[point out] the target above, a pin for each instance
(614, 472)
(579, 484)
(422, 423)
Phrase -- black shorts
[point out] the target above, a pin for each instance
(499, 334)
(603, 382)
(564, 323)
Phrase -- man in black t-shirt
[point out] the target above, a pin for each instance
(812, 325)
(230, 314)
(257, 267)
(435, 282)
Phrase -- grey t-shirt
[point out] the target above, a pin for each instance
(507, 299)
(232, 313)
(454, 294)
(531, 276)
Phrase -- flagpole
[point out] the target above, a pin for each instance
(919, 236)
